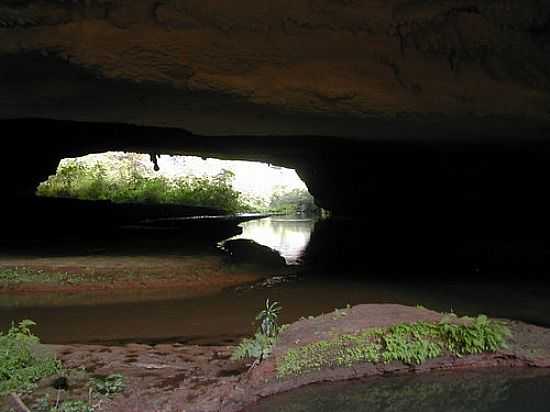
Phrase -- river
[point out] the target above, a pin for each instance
(226, 316)
(289, 235)
(490, 390)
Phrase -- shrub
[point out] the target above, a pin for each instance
(20, 367)
(109, 385)
(293, 201)
(79, 181)
(257, 348)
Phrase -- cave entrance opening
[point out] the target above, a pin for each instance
(233, 186)
(204, 197)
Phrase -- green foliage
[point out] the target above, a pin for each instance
(342, 351)
(294, 201)
(104, 385)
(257, 348)
(73, 406)
(268, 319)
(43, 405)
(408, 343)
(19, 275)
(79, 181)
(109, 385)
(261, 345)
(476, 336)
(20, 366)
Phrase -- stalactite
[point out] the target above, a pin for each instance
(154, 157)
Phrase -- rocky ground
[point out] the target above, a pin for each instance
(175, 377)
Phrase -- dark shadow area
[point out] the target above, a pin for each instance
(419, 206)
(50, 226)
(424, 250)
(76, 226)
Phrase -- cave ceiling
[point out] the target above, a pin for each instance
(364, 69)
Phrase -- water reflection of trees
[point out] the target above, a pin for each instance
(288, 236)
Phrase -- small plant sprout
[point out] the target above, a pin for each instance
(269, 318)
(259, 347)
(109, 385)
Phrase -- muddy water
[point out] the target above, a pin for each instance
(480, 391)
(225, 317)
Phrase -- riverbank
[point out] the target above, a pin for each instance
(161, 259)
(176, 377)
(194, 275)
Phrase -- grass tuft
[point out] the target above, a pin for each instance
(19, 275)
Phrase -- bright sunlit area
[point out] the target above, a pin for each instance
(231, 185)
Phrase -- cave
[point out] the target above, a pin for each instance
(422, 204)
(421, 127)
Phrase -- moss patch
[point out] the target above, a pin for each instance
(23, 276)
(17, 275)
(410, 343)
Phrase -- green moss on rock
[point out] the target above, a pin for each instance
(410, 343)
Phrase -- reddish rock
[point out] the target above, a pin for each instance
(203, 378)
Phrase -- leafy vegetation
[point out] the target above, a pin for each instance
(409, 343)
(73, 406)
(24, 362)
(127, 180)
(14, 276)
(20, 365)
(268, 319)
(101, 385)
(259, 347)
(292, 202)
(68, 405)
(77, 180)
(109, 385)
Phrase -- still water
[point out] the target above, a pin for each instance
(226, 316)
(477, 391)
(289, 235)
